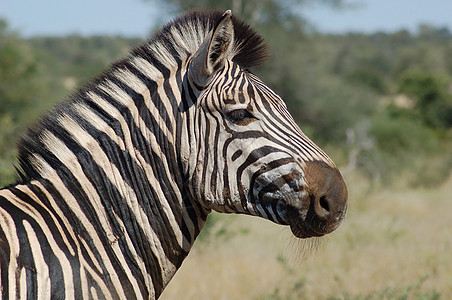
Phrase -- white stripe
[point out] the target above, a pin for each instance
(105, 105)
(161, 53)
(23, 283)
(94, 293)
(10, 231)
(174, 86)
(59, 213)
(42, 270)
(141, 264)
(138, 86)
(146, 68)
(185, 43)
(31, 211)
(85, 266)
(117, 93)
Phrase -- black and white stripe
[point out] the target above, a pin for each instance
(118, 181)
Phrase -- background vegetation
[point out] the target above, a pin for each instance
(380, 104)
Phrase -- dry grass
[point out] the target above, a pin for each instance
(394, 244)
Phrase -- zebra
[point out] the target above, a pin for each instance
(116, 182)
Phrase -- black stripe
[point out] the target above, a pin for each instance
(188, 97)
(98, 110)
(4, 258)
(74, 261)
(206, 137)
(153, 92)
(251, 159)
(92, 284)
(57, 234)
(55, 270)
(211, 146)
(270, 166)
(25, 257)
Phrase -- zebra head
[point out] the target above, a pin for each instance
(247, 155)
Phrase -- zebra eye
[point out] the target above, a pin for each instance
(241, 116)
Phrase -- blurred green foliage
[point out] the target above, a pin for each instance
(17, 71)
(380, 104)
(433, 100)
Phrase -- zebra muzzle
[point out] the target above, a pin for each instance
(324, 206)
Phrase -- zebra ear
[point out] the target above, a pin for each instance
(213, 52)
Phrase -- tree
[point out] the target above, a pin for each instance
(17, 68)
(253, 11)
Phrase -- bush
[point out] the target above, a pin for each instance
(407, 149)
(433, 100)
(9, 130)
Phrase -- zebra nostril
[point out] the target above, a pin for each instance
(324, 203)
(320, 206)
(328, 193)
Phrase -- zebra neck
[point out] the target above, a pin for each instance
(110, 158)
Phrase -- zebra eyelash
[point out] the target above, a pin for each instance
(241, 117)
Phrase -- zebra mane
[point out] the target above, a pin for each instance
(185, 34)
(165, 49)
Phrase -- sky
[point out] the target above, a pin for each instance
(136, 18)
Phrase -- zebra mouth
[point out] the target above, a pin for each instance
(301, 227)
(275, 203)
(306, 223)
